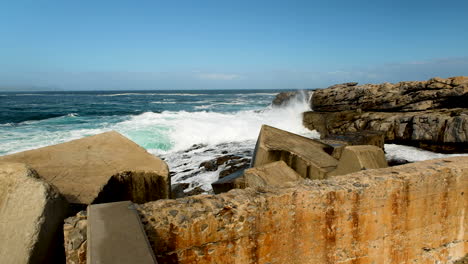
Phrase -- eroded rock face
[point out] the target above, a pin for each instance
(414, 213)
(31, 215)
(403, 96)
(442, 130)
(85, 170)
(429, 114)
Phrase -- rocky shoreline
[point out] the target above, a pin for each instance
(338, 190)
(428, 114)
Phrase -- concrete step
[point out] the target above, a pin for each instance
(116, 235)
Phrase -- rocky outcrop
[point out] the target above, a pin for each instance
(414, 213)
(363, 137)
(31, 215)
(429, 114)
(442, 130)
(435, 93)
(285, 98)
(103, 168)
(231, 163)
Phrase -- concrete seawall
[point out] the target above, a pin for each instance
(415, 213)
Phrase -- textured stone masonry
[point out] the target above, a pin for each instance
(416, 213)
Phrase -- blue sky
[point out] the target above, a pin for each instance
(228, 44)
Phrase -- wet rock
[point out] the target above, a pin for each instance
(209, 165)
(177, 190)
(232, 181)
(397, 162)
(195, 147)
(195, 191)
(284, 98)
(235, 165)
(212, 165)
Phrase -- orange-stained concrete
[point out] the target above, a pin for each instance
(415, 213)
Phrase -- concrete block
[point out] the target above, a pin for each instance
(116, 236)
(31, 217)
(275, 174)
(108, 166)
(356, 158)
(309, 158)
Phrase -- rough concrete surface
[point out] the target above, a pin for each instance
(306, 156)
(415, 213)
(275, 174)
(116, 236)
(81, 169)
(31, 216)
(356, 158)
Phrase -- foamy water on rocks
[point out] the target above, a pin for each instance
(166, 123)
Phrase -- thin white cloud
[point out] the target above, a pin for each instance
(218, 76)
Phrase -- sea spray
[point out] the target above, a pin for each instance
(219, 121)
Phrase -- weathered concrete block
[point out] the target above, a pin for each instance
(116, 236)
(337, 145)
(275, 174)
(308, 157)
(356, 158)
(101, 168)
(31, 215)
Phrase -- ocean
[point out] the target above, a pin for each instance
(166, 123)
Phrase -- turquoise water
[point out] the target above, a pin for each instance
(150, 118)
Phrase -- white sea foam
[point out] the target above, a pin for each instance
(163, 102)
(412, 154)
(187, 128)
(147, 94)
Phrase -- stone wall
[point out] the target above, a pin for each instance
(416, 213)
